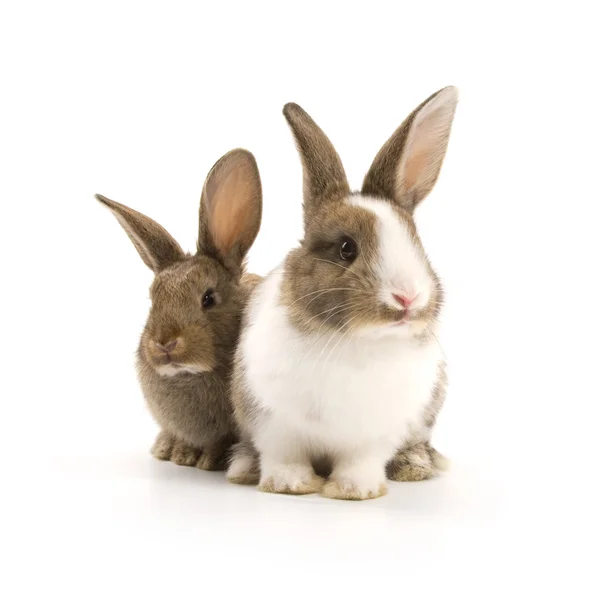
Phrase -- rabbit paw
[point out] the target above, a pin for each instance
(167, 447)
(346, 489)
(244, 470)
(185, 455)
(211, 459)
(417, 463)
(291, 479)
(163, 446)
(438, 460)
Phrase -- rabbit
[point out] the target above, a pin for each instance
(338, 361)
(186, 349)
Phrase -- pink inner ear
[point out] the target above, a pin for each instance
(413, 169)
(426, 146)
(230, 205)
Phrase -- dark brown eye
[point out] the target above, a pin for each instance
(348, 249)
(208, 300)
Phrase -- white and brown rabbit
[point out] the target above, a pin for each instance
(185, 353)
(338, 361)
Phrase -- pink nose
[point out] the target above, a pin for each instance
(403, 300)
(168, 347)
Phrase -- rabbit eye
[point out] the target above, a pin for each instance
(348, 249)
(208, 300)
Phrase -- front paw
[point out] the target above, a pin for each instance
(347, 489)
(211, 457)
(163, 446)
(290, 479)
(185, 455)
(167, 447)
(211, 460)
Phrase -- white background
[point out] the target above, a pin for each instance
(137, 101)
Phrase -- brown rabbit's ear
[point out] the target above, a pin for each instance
(323, 173)
(407, 166)
(153, 243)
(231, 207)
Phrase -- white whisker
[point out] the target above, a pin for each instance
(344, 334)
(322, 291)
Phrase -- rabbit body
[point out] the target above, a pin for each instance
(355, 399)
(338, 362)
(186, 350)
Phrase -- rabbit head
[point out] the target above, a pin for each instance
(361, 266)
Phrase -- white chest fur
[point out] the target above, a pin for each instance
(335, 391)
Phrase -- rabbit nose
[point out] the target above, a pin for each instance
(404, 301)
(168, 347)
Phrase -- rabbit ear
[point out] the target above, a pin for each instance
(407, 166)
(231, 207)
(153, 243)
(323, 172)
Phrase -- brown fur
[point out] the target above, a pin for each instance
(155, 246)
(193, 408)
(322, 293)
(324, 175)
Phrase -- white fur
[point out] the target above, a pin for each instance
(442, 463)
(400, 267)
(352, 397)
(240, 466)
(172, 370)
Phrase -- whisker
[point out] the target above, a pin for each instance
(335, 264)
(317, 339)
(438, 343)
(330, 290)
(324, 291)
(334, 333)
(355, 275)
(346, 325)
(328, 310)
(318, 361)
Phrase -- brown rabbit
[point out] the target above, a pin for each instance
(186, 349)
